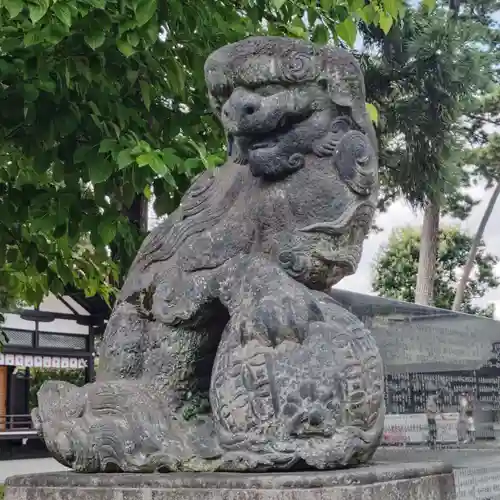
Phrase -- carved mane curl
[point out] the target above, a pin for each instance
(205, 208)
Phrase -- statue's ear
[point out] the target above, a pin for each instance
(343, 79)
(348, 96)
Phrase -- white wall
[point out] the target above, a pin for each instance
(51, 304)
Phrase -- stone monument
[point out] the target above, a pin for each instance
(223, 352)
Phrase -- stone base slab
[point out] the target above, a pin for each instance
(382, 481)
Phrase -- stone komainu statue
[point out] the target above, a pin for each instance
(224, 351)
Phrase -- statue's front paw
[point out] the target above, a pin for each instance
(284, 316)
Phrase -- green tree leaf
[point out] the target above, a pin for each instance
(98, 4)
(82, 153)
(125, 48)
(144, 159)
(154, 161)
(170, 158)
(38, 10)
(297, 28)
(41, 264)
(279, 3)
(385, 22)
(31, 92)
(430, 4)
(392, 7)
(321, 34)
(357, 5)
(95, 40)
(107, 231)
(367, 13)
(144, 11)
(146, 93)
(64, 272)
(47, 85)
(347, 31)
(133, 38)
(14, 7)
(100, 170)
(63, 13)
(60, 230)
(108, 145)
(32, 38)
(124, 159)
(372, 112)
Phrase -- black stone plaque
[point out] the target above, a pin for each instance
(428, 351)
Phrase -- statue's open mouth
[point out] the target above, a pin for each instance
(263, 134)
(357, 217)
(344, 237)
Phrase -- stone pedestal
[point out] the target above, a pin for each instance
(384, 481)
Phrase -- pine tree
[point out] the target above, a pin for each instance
(422, 77)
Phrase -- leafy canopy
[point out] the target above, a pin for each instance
(102, 103)
(395, 269)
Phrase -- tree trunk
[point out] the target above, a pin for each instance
(424, 291)
(137, 214)
(459, 294)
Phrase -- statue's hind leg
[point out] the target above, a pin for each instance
(143, 412)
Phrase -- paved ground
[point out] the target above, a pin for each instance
(31, 466)
(476, 468)
(465, 456)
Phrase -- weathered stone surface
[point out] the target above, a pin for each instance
(412, 481)
(223, 352)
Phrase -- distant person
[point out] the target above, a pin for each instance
(434, 406)
(462, 418)
(466, 417)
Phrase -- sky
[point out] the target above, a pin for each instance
(400, 214)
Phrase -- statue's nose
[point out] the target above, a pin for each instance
(240, 106)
